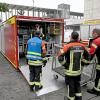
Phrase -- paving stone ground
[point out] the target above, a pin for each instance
(13, 86)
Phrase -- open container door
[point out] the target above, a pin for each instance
(50, 26)
(9, 41)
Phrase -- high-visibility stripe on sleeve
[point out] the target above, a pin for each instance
(94, 45)
(85, 61)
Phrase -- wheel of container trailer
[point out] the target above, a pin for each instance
(55, 76)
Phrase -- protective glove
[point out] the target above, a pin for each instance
(62, 60)
(44, 61)
(85, 62)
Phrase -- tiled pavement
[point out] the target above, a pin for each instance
(13, 86)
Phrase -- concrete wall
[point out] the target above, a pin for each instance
(65, 13)
(91, 9)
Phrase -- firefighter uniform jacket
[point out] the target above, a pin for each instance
(35, 49)
(95, 50)
(74, 53)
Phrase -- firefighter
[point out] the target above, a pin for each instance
(35, 52)
(74, 52)
(95, 51)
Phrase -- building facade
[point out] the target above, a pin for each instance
(91, 9)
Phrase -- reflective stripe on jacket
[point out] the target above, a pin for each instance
(74, 52)
(35, 63)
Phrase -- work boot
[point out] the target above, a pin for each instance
(93, 91)
(65, 98)
(37, 88)
(78, 98)
(31, 88)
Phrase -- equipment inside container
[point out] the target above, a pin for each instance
(51, 33)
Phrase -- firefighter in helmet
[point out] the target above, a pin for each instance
(74, 52)
(95, 51)
(35, 52)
